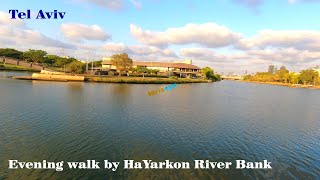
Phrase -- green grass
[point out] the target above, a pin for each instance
(146, 80)
(10, 67)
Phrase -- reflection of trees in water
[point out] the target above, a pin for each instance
(75, 86)
(121, 94)
(121, 89)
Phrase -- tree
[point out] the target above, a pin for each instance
(96, 63)
(142, 70)
(294, 78)
(36, 56)
(283, 74)
(208, 72)
(308, 76)
(122, 62)
(61, 62)
(7, 52)
(76, 67)
(217, 77)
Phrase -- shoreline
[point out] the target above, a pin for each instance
(121, 79)
(141, 80)
(284, 84)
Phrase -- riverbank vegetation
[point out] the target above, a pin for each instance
(146, 80)
(123, 63)
(305, 77)
(54, 62)
(209, 74)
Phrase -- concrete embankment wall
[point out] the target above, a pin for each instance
(53, 77)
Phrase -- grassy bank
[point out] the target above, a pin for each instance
(285, 84)
(10, 67)
(146, 80)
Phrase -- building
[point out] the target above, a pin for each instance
(272, 69)
(184, 68)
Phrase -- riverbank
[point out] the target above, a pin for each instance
(285, 84)
(141, 80)
(109, 79)
(9, 67)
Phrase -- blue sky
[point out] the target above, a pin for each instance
(227, 35)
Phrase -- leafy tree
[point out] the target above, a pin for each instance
(294, 78)
(218, 77)
(61, 62)
(50, 59)
(96, 63)
(76, 67)
(36, 56)
(247, 77)
(318, 81)
(122, 62)
(308, 76)
(8, 52)
(283, 74)
(208, 72)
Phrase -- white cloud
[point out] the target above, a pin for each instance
(208, 35)
(137, 50)
(80, 32)
(6, 20)
(115, 47)
(304, 40)
(28, 38)
(136, 3)
(15, 33)
(108, 4)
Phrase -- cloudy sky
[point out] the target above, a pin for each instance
(227, 35)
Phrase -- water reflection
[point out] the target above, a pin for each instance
(221, 122)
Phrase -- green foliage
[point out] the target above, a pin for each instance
(308, 76)
(76, 67)
(96, 63)
(61, 62)
(217, 77)
(7, 52)
(247, 77)
(209, 74)
(294, 78)
(140, 69)
(122, 62)
(173, 77)
(36, 56)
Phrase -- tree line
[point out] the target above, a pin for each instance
(122, 61)
(71, 65)
(307, 77)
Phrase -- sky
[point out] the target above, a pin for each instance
(226, 35)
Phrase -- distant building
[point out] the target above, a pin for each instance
(179, 68)
(272, 69)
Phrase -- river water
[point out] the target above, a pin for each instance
(224, 121)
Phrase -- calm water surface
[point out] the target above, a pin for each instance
(224, 121)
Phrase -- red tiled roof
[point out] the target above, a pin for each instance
(159, 64)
